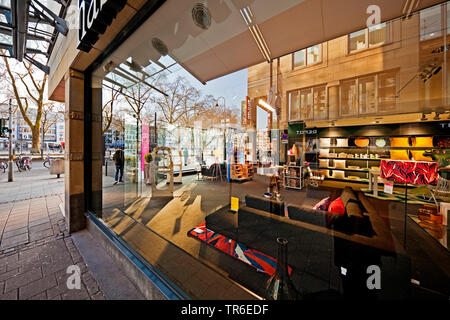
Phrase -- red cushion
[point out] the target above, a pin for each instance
(337, 206)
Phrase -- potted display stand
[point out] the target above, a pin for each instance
(148, 168)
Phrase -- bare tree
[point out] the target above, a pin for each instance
(181, 103)
(34, 82)
(52, 112)
(137, 98)
(108, 109)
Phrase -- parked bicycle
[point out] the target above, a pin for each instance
(48, 161)
(3, 165)
(23, 163)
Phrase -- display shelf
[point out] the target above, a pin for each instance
(369, 159)
(297, 179)
(366, 170)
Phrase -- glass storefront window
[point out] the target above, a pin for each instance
(188, 155)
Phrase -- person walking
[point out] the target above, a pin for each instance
(119, 161)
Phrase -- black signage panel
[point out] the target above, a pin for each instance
(95, 16)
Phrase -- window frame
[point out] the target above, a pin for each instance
(311, 90)
(307, 64)
(368, 46)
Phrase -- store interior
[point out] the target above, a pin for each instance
(207, 198)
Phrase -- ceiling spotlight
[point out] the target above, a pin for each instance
(437, 116)
(160, 46)
(424, 117)
(201, 16)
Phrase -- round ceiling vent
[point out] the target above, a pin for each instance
(201, 16)
(160, 46)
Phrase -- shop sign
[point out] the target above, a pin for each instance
(243, 113)
(248, 115)
(389, 188)
(297, 130)
(94, 18)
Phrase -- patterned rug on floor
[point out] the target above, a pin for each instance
(260, 261)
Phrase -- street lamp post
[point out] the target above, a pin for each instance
(10, 162)
(224, 127)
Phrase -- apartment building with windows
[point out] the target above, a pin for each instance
(394, 68)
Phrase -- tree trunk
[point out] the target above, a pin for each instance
(35, 146)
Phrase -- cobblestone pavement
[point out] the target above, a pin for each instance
(35, 247)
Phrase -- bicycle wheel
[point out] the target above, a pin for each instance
(47, 164)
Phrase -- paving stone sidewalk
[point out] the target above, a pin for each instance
(35, 247)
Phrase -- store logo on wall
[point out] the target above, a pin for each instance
(307, 132)
(94, 18)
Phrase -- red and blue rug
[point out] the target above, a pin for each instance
(260, 261)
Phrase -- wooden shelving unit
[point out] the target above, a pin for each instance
(241, 172)
(364, 163)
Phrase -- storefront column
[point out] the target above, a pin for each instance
(97, 150)
(74, 151)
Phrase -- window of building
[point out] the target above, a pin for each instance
(349, 98)
(387, 86)
(307, 57)
(299, 58)
(314, 55)
(306, 104)
(448, 17)
(370, 37)
(378, 34)
(320, 103)
(430, 23)
(367, 95)
(357, 41)
(294, 105)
